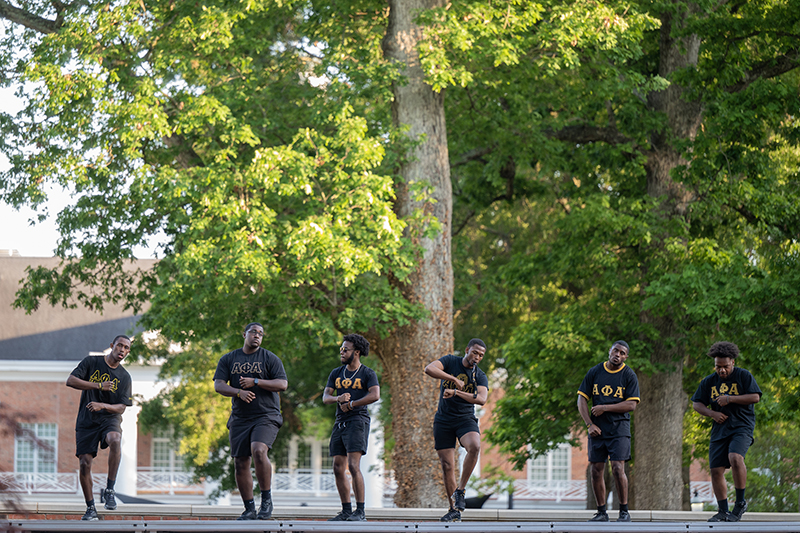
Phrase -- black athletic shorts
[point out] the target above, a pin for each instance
(718, 450)
(446, 433)
(244, 432)
(614, 448)
(86, 440)
(349, 436)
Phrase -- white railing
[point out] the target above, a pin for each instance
(155, 481)
(702, 491)
(304, 481)
(567, 490)
(30, 483)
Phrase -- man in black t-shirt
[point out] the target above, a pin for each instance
(253, 378)
(105, 392)
(463, 386)
(351, 387)
(732, 394)
(614, 390)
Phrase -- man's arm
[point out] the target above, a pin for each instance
(116, 408)
(329, 397)
(718, 417)
(274, 385)
(436, 371)
(743, 399)
(373, 395)
(222, 387)
(479, 399)
(622, 407)
(80, 384)
(583, 409)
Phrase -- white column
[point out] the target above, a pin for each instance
(127, 473)
(371, 464)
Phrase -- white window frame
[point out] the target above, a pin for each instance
(38, 461)
(564, 448)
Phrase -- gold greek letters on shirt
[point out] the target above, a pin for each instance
(348, 384)
(468, 387)
(608, 390)
(731, 390)
(102, 378)
(247, 368)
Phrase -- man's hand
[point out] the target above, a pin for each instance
(719, 418)
(343, 398)
(459, 383)
(247, 396)
(595, 431)
(598, 410)
(449, 393)
(95, 406)
(246, 383)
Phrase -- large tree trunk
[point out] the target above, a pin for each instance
(659, 417)
(414, 396)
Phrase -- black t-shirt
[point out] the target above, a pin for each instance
(604, 387)
(741, 418)
(357, 384)
(261, 364)
(95, 369)
(451, 409)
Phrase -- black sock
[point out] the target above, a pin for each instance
(623, 507)
(250, 505)
(110, 484)
(360, 506)
(739, 495)
(90, 503)
(266, 494)
(601, 509)
(722, 504)
(347, 507)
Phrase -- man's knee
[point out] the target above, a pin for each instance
(736, 460)
(618, 468)
(85, 462)
(114, 440)
(241, 464)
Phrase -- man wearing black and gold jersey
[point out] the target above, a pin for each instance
(732, 393)
(463, 386)
(614, 391)
(105, 393)
(352, 387)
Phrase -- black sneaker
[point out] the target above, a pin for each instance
(341, 517)
(90, 514)
(248, 514)
(459, 500)
(624, 516)
(722, 516)
(599, 517)
(265, 511)
(453, 515)
(109, 497)
(739, 509)
(357, 516)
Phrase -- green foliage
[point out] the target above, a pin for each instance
(773, 476)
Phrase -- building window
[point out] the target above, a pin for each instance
(32, 457)
(165, 458)
(554, 466)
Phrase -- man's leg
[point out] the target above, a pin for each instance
(472, 444)
(598, 483)
(263, 466)
(718, 483)
(340, 474)
(620, 480)
(85, 476)
(114, 441)
(354, 465)
(447, 459)
(739, 470)
(244, 479)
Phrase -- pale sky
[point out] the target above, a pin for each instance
(16, 231)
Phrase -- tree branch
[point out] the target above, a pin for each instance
(472, 155)
(29, 20)
(583, 134)
(768, 69)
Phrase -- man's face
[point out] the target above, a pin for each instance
(617, 355)
(723, 366)
(120, 349)
(253, 336)
(475, 354)
(347, 352)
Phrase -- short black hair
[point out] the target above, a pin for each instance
(723, 349)
(473, 342)
(359, 343)
(121, 337)
(622, 343)
(247, 327)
